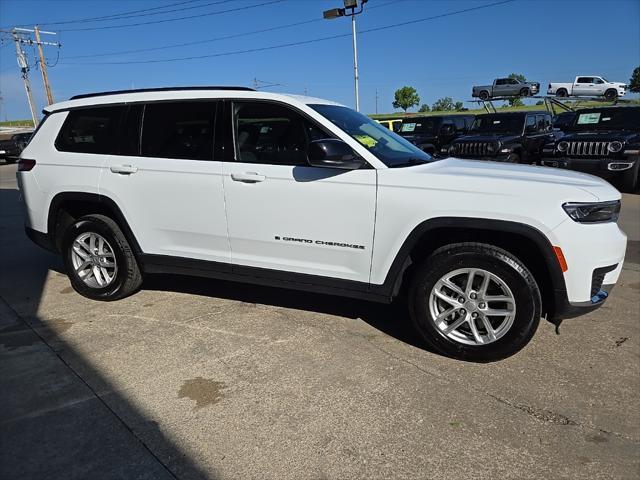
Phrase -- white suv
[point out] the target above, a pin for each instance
(307, 194)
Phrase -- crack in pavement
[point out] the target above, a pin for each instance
(545, 416)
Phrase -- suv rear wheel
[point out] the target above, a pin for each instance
(474, 302)
(99, 260)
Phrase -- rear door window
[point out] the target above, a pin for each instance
(179, 130)
(91, 130)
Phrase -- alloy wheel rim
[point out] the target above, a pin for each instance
(472, 306)
(94, 260)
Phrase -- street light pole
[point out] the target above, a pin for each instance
(350, 5)
(356, 77)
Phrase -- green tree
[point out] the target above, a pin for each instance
(443, 104)
(458, 106)
(424, 108)
(516, 101)
(634, 81)
(405, 98)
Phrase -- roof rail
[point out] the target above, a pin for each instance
(159, 89)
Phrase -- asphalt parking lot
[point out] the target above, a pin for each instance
(194, 378)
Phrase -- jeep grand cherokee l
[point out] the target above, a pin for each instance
(308, 194)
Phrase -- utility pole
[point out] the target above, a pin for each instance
(19, 38)
(350, 10)
(376, 100)
(356, 76)
(24, 72)
(43, 66)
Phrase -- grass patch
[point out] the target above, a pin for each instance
(17, 123)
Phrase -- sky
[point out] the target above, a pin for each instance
(546, 40)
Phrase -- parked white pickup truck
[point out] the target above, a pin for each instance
(588, 87)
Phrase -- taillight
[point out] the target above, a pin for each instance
(26, 165)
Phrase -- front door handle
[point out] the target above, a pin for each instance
(248, 177)
(124, 169)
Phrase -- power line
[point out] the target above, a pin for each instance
(219, 12)
(215, 39)
(217, 2)
(114, 16)
(292, 44)
(197, 42)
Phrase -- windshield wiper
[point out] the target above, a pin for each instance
(409, 163)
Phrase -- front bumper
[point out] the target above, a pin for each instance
(604, 167)
(566, 309)
(594, 255)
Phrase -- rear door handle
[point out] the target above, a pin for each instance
(248, 177)
(124, 169)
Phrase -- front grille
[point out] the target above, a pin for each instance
(473, 149)
(588, 149)
(598, 278)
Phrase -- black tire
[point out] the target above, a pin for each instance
(562, 92)
(128, 277)
(496, 261)
(525, 92)
(484, 95)
(611, 94)
(513, 158)
(629, 179)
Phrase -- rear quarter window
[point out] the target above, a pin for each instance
(91, 130)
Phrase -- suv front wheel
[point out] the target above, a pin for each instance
(99, 260)
(474, 302)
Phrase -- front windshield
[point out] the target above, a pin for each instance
(388, 147)
(498, 123)
(421, 125)
(619, 118)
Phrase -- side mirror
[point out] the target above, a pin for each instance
(447, 129)
(333, 153)
(530, 129)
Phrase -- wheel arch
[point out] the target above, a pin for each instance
(527, 243)
(66, 207)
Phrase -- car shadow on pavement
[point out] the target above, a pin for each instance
(53, 424)
(391, 319)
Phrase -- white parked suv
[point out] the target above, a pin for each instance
(307, 194)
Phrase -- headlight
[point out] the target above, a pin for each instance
(593, 212)
(615, 146)
(562, 146)
(493, 147)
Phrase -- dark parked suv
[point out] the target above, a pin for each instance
(603, 141)
(506, 137)
(10, 148)
(432, 133)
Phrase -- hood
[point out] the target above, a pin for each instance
(488, 137)
(422, 137)
(599, 136)
(538, 184)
